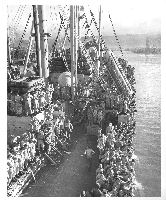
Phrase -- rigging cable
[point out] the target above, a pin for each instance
(14, 22)
(23, 35)
(19, 18)
(88, 27)
(17, 23)
(113, 56)
(116, 37)
(66, 28)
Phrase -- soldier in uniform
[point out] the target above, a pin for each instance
(26, 155)
(47, 97)
(28, 104)
(33, 147)
(18, 156)
(100, 117)
(51, 89)
(107, 99)
(90, 116)
(36, 102)
(120, 107)
(35, 124)
(18, 105)
(42, 100)
(12, 105)
(103, 105)
(40, 141)
(95, 112)
(9, 102)
(15, 166)
(117, 102)
(68, 128)
(20, 162)
(48, 143)
(10, 167)
(109, 128)
(22, 159)
(112, 96)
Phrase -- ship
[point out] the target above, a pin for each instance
(149, 49)
(71, 83)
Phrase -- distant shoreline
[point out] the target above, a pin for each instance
(145, 50)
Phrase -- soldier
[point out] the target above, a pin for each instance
(112, 97)
(88, 154)
(33, 147)
(68, 128)
(25, 153)
(10, 168)
(20, 163)
(35, 124)
(107, 99)
(62, 123)
(90, 116)
(100, 117)
(51, 89)
(22, 159)
(95, 111)
(47, 97)
(9, 102)
(40, 141)
(125, 107)
(42, 101)
(12, 105)
(120, 106)
(103, 105)
(18, 105)
(48, 143)
(28, 104)
(15, 166)
(36, 102)
(109, 128)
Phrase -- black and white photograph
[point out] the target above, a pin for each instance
(83, 85)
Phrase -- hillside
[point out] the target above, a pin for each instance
(128, 41)
(133, 41)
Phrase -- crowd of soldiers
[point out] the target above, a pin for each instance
(51, 134)
(115, 175)
(29, 103)
(95, 113)
(20, 153)
(13, 73)
(129, 72)
(111, 102)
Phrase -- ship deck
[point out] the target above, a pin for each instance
(71, 177)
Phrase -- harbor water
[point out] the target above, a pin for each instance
(148, 127)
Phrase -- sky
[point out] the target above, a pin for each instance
(128, 16)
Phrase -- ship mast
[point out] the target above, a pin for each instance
(43, 42)
(37, 39)
(99, 51)
(8, 49)
(73, 47)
